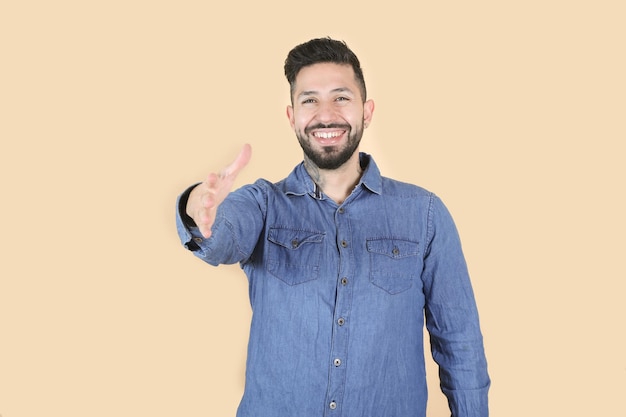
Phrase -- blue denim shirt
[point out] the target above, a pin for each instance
(339, 294)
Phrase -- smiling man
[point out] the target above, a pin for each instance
(328, 114)
(328, 108)
(344, 265)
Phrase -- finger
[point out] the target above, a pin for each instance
(212, 180)
(239, 163)
(207, 201)
(202, 216)
(208, 219)
(206, 232)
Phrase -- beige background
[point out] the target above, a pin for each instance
(513, 112)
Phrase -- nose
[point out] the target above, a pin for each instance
(325, 112)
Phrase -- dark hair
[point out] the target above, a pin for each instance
(321, 50)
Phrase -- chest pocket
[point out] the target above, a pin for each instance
(294, 255)
(394, 263)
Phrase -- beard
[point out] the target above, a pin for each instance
(331, 157)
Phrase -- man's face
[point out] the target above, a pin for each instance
(328, 114)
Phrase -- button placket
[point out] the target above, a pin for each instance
(343, 301)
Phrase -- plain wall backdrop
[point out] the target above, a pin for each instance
(513, 112)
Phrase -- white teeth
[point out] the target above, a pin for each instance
(327, 135)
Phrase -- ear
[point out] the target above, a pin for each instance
(368, 112)
(290, 116)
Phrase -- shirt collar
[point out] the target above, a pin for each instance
(299, 182)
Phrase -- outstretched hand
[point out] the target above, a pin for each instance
(207, 196)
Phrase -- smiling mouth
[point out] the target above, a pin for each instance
(328, 137)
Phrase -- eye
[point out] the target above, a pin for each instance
(342, 98)
(308, 101)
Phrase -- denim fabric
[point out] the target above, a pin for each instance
(339, 294)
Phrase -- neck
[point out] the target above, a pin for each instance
(338, 183)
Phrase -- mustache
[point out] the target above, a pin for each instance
(308, 129)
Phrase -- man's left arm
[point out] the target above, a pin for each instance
(452, 318)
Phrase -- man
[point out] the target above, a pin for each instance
(343, 265)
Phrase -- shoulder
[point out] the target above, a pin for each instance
(262, 188)
(400, 189)
(412, 195)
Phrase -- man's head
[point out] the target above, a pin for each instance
(322, 50)
(329, 111)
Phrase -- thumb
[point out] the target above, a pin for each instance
(239, 163)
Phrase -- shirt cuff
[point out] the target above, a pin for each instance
(187, 229)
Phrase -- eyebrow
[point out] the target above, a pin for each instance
(335, 90)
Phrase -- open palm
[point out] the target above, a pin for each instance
(207, 196)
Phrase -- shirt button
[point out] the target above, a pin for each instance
(197, 239)
(341, 321)
(344, 244)
(344, 281)
(332, 405)
(341, 210)
(395, 251)
(337, 362)
(294, 243)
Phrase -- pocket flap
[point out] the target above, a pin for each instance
(393, 248)
(293, 238)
